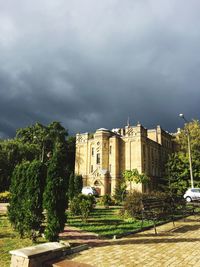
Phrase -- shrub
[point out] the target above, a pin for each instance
(85, 207)
(106, 200)
(82, 205)
(133, 203)
(5, 196)
(120, 194)
(74, 206)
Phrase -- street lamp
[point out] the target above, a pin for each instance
(189, 149)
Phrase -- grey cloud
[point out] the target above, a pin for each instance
(91, 64)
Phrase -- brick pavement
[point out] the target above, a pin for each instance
(179, 246)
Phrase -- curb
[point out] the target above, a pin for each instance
(76, 249)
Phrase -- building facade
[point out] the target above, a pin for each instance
(102, 157)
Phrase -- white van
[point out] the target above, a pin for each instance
(88, 190)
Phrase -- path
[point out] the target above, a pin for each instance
(171, 247)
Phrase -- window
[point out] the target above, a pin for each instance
(110, 150)
(91, 169)
(98, 158)
(93, 151)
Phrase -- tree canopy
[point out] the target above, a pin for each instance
(134, 176)
(178, 173)
(33, 142)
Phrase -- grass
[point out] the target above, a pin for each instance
(106, 223)
(10, 240)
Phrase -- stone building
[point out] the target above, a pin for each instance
(103, 156)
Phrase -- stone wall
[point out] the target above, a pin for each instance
(36, 256)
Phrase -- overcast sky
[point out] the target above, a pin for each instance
(94, 63)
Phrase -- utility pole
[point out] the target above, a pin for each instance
(189, 150)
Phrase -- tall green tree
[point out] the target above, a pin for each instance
(4, 171)
(13, 152)
(25, 209)
(16, 209)
(71, 147)
(55, 196)
(71, 192)
(33, 142)
(177, 168)
(35, 184)
(78, 184)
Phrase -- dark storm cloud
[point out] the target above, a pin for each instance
(91, 64)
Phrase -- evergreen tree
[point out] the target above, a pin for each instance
(78, 184)
(177, 167)
(16, 209)
(55, 200)
(71, 186)
(34, 198)
(25, 210)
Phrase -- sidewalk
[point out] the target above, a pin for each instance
(179, 246)
(76, 236)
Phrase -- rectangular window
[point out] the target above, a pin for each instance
(92, 151)
(91, 168)
(98, 158)
(110, 150)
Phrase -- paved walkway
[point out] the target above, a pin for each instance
(176, 247)
(179, 246)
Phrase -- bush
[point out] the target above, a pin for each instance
(5, 197)
(133, 203)
(82, 205)
(106, 200)
(120, 194)
(74, 206)
(124, 214)
(85, 207)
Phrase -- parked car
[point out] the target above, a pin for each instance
(192, 194)
(89, 190)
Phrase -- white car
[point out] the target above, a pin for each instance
(192, 194)
(88, 190)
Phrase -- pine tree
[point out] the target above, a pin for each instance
(78, 184)
(25, 210)
(16, 209)
(34, 198)
(55, 200)
(71, 186)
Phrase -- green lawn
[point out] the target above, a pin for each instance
(10, 240)
(106, 223)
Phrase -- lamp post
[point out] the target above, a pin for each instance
(189, 150)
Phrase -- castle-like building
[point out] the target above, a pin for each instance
(102, 157)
